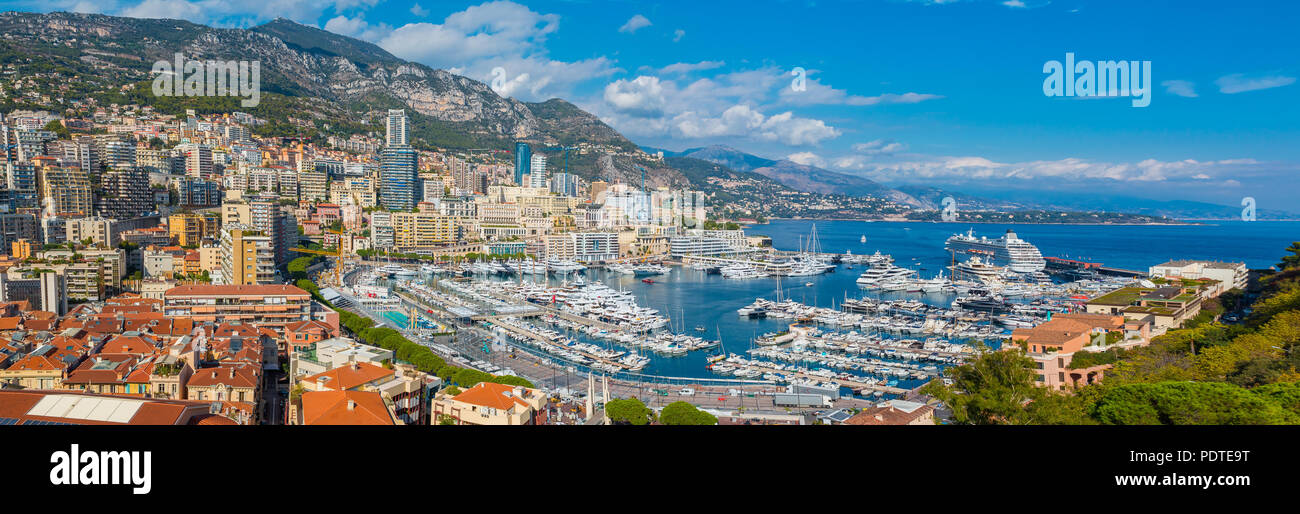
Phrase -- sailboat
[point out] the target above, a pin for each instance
(722, 350)
(864, 238)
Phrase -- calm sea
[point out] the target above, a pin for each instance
(695, 300)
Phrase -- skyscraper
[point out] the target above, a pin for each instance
(397, 167)
(396, 127)
(66, 191)
(198, 160)
(523, 158)
(397, 174)
(124, 193)
(537, 171)
(247, 256)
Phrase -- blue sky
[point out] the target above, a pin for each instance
(939, 92)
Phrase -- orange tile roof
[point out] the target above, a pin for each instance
(36, 363)
(344, 408)
(138, 345)
(212, 420)
(10, 323)
(888, 416)
(16, 403)
(40, 324)
(211, 290)
(234, 376)
(491, 394)
(349, 377)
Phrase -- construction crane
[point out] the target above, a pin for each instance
(642, 176)
(337, 254)
(566, 154)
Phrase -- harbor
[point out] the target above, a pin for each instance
(844, 328)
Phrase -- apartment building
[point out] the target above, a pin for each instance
(272, 306)
(489, 403)
(247, 256)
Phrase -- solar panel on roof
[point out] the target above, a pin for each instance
(8, 421)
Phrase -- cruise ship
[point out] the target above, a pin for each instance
(1015, 254)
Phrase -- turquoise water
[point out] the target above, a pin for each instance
(397, 318)
(695, 299)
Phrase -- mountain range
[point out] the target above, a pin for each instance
(321, 83)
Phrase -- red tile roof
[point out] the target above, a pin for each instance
(344, 408)
(234, 290)
(349, 377)
(491, 394)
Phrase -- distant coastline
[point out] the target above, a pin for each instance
(905, 220)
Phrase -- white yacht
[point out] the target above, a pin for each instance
(978, 270)
(881, 272)
(650, 269)
(621, 269)
(1009, 250)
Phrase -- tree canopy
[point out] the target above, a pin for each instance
(628, 411)
(683, 413)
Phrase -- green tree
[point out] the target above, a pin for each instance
(682, 413)
(512, 380)
(1285, 394)
(1189, 403)
(629, 411)
(992, 389)
(1293, 260)
(58, 129)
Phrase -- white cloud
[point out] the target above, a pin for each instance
(1181, 88)
(1013, 3)
(418, 11)
(480, 38)
(744, 121)
(357, 28)
(688, 67)
(980, 168)
(487, 30)
(635, 23)
(807, 159)
(794, 131)
(1240, 83)
(678, 35)
(241, 12)
(642, 97)
(816, 93)
(879, 147)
